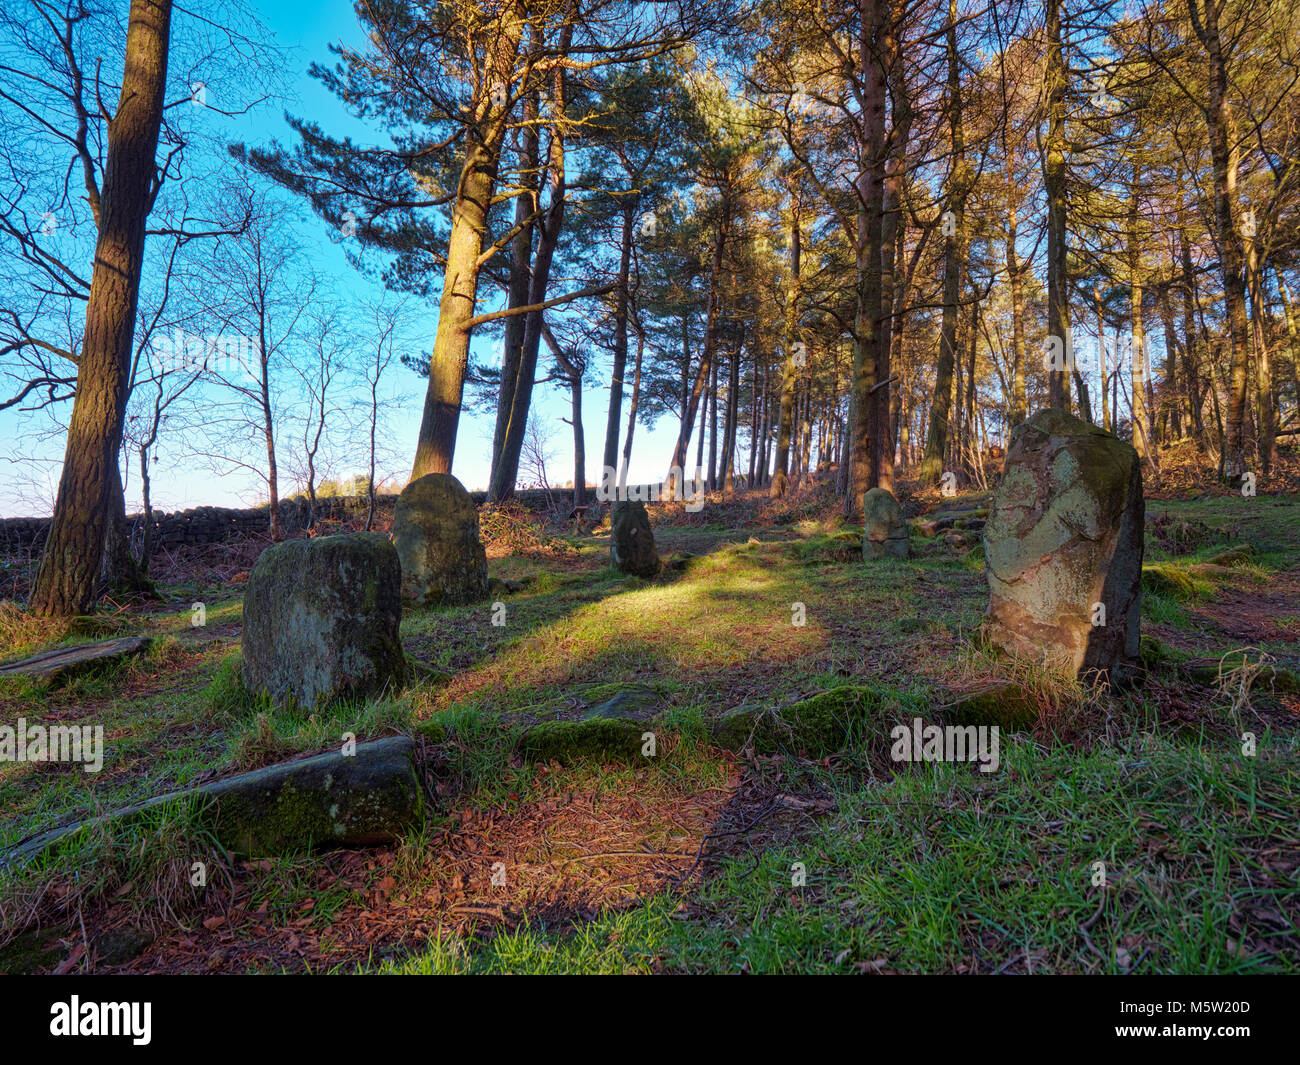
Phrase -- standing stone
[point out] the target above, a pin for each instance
(435, 531)
(1064, 548)
(631, 541)
(885, 535)
(321, 620)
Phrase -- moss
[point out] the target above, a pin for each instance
(117, 946)
(1159, 578)
(423, 673)
(1150, 651)
(1263, 678)
(1008, 706)
(432, 731)
(1241, 555)
(820, 725)
(605, 739)
(30, 953)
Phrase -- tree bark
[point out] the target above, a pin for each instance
(449, 361)
(67, 577)
(936, 444)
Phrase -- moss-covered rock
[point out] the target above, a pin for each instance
(632, 541)
(627, 705)
(117, 946)
(1009, 706)
(423, 673)
(1065, 533)
(1268, 677)
(1160, 578)
(602, 739)
(817, 726)
(322, 619)
(32, 952)
(498, 586)
(1151, 652)
(885, 533)
(1240, 555)
(367, 797)
(436, 534)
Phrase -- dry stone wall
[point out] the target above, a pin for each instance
(214, 525)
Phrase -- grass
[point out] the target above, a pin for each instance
(946, 870)
(930, 869)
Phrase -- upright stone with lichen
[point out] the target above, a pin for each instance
(435, 531)
(321, 620)
(1064, 548)
(632, 541)
(885, 532)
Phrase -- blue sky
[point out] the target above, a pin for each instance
(28, 481)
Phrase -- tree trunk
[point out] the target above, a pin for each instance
(521, 266)
(692, 402)
(1195, 397)
(1223, 155)
(507, 472)
(620, 343)
(1139, 369)
(791, 370)
(436, 444)
(70, 562)
(936, 444)
(632, 408)
(1058, 282)
(871, 194)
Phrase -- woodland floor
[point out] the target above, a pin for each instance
(686, 864)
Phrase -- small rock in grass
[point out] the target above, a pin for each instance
(117, 946)
(1006, 705)
(1241, 555)
(1159, 578)
(606, 739)
(630, 706)
(818, 726)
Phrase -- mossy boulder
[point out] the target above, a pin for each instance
(1241, 555)
(1064, 535)
(884, 530)
(436, 533)
(817, 726)
(632, 541)
(321, 620)
(1008, 706)
(342, 798)
(1151, 652)
(604, 739)
(1159, 578)
(1268, 677)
